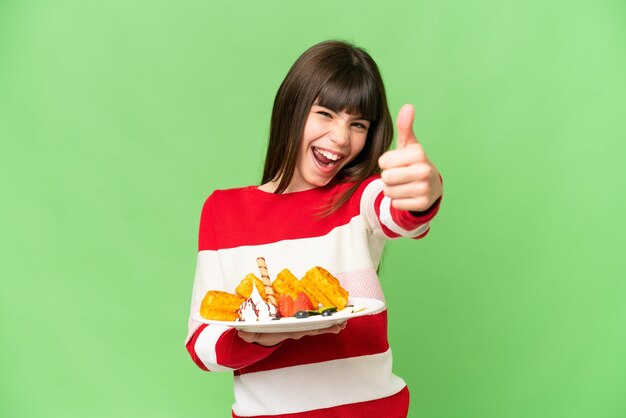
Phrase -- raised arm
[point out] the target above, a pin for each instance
(412, 181)
(408, 195)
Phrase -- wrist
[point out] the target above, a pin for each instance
(431, 208)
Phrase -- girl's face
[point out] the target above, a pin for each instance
(330, 141)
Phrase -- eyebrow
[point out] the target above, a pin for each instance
(360, 117)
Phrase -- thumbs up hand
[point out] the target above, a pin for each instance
(411, 180)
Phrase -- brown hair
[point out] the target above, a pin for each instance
(341, 77)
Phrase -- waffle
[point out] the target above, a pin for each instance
(324, 287)
(318, 284)
(244, 288)
(220, 305)
(287, 284)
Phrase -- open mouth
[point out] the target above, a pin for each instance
(325, 158)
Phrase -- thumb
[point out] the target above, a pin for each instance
(404, 122)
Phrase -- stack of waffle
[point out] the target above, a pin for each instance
(322, 288)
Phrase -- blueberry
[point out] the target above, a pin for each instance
(328, 311)
(302, 314)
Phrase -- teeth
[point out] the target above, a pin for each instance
(328, 154)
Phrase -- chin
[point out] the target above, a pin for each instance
(320, 182)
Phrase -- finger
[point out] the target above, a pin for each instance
(406, 156)
(418, 204)
(407, 191)
(402, 175)
(404, 123)
(248, 337)
(335, 329)
(340, 327)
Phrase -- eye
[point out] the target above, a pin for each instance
(360, 125)
(325, 114)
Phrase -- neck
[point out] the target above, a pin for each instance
(272, 186)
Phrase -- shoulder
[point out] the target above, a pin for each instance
(355, 192)
(344, 186)
(221, 204)
(227, 194)
(220, 198)
(371, 184)
(368, 181)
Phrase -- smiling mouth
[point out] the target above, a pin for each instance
(325, 157)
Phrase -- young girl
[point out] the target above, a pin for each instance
(323, 202)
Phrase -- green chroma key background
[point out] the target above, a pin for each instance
(118, 118)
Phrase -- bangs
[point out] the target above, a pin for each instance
(353, 92)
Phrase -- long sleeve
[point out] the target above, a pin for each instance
(239, 225)
(382, 218)
(215, 347)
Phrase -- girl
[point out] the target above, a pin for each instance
(322, 202)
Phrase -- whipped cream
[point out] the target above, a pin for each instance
(256, 309)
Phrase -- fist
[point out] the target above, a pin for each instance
(411, 180)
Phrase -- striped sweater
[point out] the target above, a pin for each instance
(331, 375)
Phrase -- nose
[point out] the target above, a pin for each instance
(340, 135)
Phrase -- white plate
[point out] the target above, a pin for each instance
(361, 306)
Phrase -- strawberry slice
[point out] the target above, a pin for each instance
(303, 303)
(286, 306)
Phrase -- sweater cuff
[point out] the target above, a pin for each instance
(429, 213)
(233, 352)
(410, 220)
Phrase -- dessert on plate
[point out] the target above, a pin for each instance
(318, 292)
